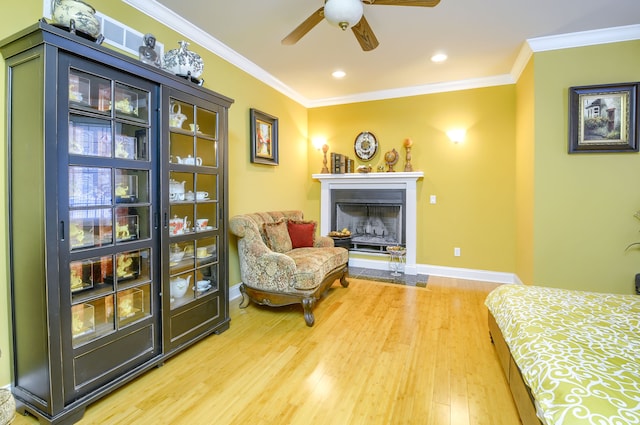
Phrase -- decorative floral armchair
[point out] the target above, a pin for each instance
(283, 262)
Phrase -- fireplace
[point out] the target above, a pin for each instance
(349, 198)
(375, 217)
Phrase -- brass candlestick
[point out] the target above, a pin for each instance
(407, 144)
(324, 170)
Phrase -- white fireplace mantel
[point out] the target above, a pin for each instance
(398, 180)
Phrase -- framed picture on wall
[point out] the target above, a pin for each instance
(264, 138)
(603, 118)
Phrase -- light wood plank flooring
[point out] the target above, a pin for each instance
(378, 354)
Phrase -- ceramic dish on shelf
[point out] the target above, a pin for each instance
(202, 289)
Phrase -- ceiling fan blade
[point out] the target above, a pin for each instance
(419, 3)
(364, 34)
(304, 27)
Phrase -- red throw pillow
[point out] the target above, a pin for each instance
(302, 233)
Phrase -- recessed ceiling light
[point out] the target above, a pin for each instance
(338, 74)
(439, 57)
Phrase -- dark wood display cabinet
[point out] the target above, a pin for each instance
(117, 218)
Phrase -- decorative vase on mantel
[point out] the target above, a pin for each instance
(183, 62)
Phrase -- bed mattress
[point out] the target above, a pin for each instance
(579, 352)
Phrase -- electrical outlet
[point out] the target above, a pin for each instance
(432, 199)
(456, 252)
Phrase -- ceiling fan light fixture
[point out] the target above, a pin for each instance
(343, 13)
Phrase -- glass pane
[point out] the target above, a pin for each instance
(207, 123)
(131, 103)
(181, 257)
(179, 185)
(207, 185)
(181, 221)
(132, 186)
(207, 151)
(89, 186)
(91, 277)
(92, 319)
(89, 136)
(180, 115)
(131, 142)
(181, 289)
(89, 92)
(207, 250)
(181, 149)
(90, 228)
(132, 223)
(133, 304)
(206, 217)
(207, 279)
(133, 268)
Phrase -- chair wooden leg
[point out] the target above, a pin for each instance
(343, 280)
(243, 292)
(307, 305)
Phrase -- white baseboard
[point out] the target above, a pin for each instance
(234, 292)
(452, 272)
(471, 274)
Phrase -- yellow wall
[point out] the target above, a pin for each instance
(584, 203)
(525, 155)
(474, 182)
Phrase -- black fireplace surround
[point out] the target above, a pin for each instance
(375, 217)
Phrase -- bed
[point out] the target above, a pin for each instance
(570, 357)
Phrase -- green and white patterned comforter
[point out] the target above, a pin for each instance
(579, 352)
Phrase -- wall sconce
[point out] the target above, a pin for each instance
(457, 135)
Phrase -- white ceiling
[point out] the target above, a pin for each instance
(486, 41)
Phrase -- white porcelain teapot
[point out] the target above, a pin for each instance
(176, 190)
(176, 117)
(177, 225)
(178, 286)
(189, 160)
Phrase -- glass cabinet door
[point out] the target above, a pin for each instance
(110, 218)
(193, 199)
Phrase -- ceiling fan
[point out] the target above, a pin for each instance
(349, 14)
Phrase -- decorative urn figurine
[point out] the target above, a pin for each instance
(76, 15)
(183, 62)
(391, 158)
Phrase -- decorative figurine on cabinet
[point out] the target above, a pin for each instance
(147, 52)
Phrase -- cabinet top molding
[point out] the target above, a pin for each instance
(44, 33)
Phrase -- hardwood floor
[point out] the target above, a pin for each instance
(378, 354)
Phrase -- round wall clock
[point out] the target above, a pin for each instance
(365, 145)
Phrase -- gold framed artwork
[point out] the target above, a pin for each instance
(602, 118)
(264, 138)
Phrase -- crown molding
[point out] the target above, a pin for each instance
(165, 16)
(442, 87)
(584, 38)
(168, 18)
(521, 61)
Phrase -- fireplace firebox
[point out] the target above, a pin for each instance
(375, 217)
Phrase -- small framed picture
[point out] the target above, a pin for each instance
(603, 118)
(264, 138)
